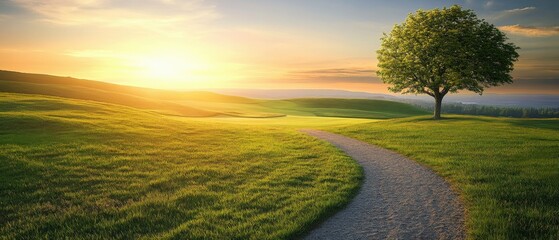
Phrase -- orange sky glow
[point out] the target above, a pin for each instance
(197, 44)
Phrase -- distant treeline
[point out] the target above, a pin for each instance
(495, 111)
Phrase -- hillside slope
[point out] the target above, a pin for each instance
(92, 170)
(350, 108)
(198, 103)
(145, 98)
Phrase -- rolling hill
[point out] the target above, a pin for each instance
(75, 167)
(352, 108)
(200, 103)
(93, 170)
(161, 100)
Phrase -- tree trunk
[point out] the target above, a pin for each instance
(438, 103)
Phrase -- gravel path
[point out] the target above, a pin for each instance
(399, 199)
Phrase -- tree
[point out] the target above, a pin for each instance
(443, 51)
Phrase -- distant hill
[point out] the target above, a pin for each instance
(302, 93)
(161, 100)
(352, 108)
(209, 104)
(493, 99)
(488, 99)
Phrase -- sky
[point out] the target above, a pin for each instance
(197, 44)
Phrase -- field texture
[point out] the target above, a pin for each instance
(507, 170)
(90, 170)
(200, 104)
(347, 108)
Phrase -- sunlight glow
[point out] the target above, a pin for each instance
(170, 70)
(165, 68)
(196, 44)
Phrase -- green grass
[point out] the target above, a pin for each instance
(507, 170)
(199, 104)
(347, 108)
(288, 122)
(81, 169)
(70, 167)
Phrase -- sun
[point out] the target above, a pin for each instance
(171, 70)
(164, 68)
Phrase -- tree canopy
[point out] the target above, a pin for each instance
(445, 50)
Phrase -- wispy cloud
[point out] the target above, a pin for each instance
(530, 31)
(512, 12)
(520, 10)
(336, 72)
(111, 13)
(95, 53)
(348, 75)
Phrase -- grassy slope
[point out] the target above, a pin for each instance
(122, 89)
(84, 93)
(162, 100)
(352, 108)
(84, 169)
(290, 122)
(199, 104)
(506, 169)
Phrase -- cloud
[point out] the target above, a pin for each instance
(337, 72)
(112, 13)
(520, 10)
(348, 75)
(530, 31)
(21, 50)
(334, 79)
(95, 53)
(512, 12)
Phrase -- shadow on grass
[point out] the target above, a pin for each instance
(551, 124)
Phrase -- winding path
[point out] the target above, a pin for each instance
(399, 199)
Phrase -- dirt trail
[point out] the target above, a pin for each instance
(399, 199)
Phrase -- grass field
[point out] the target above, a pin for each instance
(347, 108)
(200, 104)
(507, 170)
(72, 167)
(91, 170)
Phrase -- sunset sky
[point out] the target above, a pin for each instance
(184, 44)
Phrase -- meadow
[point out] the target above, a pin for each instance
(507, 170)
(92, 170)
(109, 161)
(200, 103)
